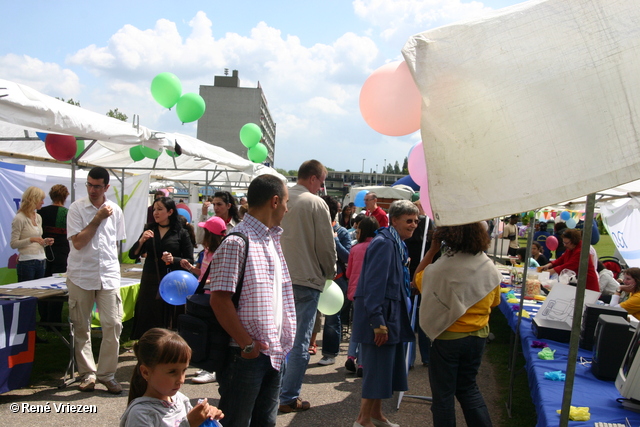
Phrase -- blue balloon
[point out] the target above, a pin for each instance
(359, 200)
(42, 135)
(565, 215)
(176, 286)
(184, 213)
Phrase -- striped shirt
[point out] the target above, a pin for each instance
(255, 307)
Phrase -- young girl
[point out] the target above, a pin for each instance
(154, 399)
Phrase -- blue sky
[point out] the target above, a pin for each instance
(311, 59)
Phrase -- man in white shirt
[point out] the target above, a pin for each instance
(94, 227)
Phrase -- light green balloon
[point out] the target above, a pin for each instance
(150, 152)
(171, 153)
(136, 153)
(250, 135)
(258, 153)
(190, 107)
(166, 89)
(331, 299)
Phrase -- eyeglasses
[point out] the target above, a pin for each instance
(413, 221)
(95, 187)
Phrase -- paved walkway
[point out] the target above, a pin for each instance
(333, 392)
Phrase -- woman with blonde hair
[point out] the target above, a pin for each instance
(26, 236)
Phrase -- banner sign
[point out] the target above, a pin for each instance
(17, 342)
(623, 225)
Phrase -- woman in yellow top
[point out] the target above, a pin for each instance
(631, 286)
(458, 292)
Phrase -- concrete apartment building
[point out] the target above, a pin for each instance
(229, 107)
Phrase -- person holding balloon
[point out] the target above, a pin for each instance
(570, 259)
(165, 244)
(381, 322)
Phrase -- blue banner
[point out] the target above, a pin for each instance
(17, 342)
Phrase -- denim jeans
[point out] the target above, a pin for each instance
(249, 390)
(306, 300)
(332, 332)
(30, 270)
(452, 372)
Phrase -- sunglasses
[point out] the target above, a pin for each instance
(414, 221)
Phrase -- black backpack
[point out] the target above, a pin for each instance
(201, 330)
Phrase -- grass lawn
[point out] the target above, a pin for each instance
(604, 247)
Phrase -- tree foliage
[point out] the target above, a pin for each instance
(396, 168)
(282, 171)
(117, 115)
(70, 101)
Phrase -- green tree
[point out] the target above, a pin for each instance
(330, 169)
(405, 166)
(117, 115)
(282, 171)
(70, 101)
(389, 168)
(293, 172)
(396, 168)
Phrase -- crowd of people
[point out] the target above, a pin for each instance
(297, 242)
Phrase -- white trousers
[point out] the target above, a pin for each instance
(109, 305)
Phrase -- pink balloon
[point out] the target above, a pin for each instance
(417, 165)
(390, 101)
(552, 243)
(61, 147)
(424, 197)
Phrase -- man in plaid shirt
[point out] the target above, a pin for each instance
(264, 326)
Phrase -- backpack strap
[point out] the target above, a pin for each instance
(236, 295)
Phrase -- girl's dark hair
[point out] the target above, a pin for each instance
(467, 238)
(229, 199)
(537, 245)
(358, 218)
(522, 253)
(169, 204)
(634, 273)
(211, 241)
(156, 346)
(367, 226)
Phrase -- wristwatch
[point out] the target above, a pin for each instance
(249, 348)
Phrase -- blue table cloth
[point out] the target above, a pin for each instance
(599, 396)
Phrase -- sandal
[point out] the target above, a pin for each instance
(313, 349)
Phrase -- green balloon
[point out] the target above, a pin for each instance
(171, 153)
(532, 214)
(250, 135)
(258, 153)
(331, 299)
(190, 107)
(166, 89)
(136, 153)
(79, 150)
(150, 152)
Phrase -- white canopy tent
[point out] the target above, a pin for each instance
(24, 111)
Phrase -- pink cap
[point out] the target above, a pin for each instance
(215, 224)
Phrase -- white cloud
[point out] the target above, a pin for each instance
(46, 77)
(308, 88)
(397, 20)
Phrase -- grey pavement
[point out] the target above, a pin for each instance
(333, 392)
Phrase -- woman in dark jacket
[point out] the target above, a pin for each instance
(165, 244)
(381, 316)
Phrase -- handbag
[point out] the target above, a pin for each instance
(201, 329)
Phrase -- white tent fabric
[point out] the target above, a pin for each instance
(400, 192)
(24, 109)
(531, 106)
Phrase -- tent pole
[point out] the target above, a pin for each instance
(577, 310)
(514, 350)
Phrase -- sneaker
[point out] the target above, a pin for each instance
(350, 365)
(204, 378)
(112, 386)
(359, 372)
(87, 384)
(326, 360)
(297, 405)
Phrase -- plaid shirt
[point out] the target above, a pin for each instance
(255, 308)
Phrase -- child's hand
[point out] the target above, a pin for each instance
(202, 412)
